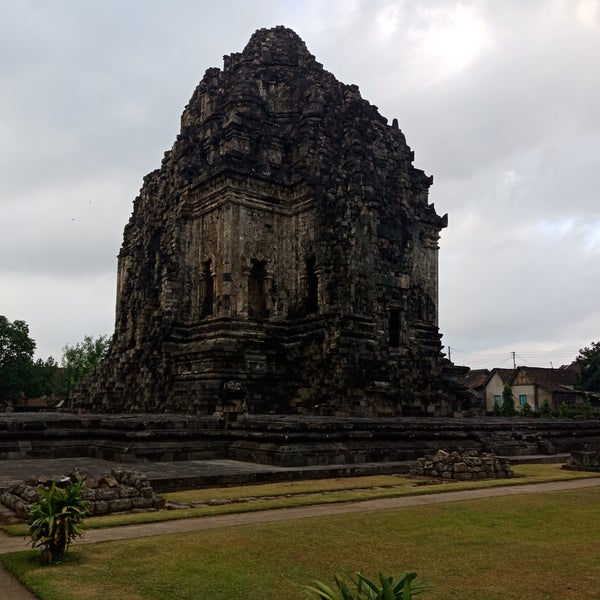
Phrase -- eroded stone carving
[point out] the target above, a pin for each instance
(285, 246)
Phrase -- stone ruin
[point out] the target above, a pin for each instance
(121, 491)
(282, 260)
(583, 460)
(470, 464)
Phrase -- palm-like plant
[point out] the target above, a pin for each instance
(403, 589)
(56, 519)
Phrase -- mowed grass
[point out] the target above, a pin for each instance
(325, 491)
(384, 485)
(525, 547)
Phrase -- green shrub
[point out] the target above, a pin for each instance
(56, 519)
(403, 589)
(546, 410)
(586, 408)
(564, 410)
(526, 410)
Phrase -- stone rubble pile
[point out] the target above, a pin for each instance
(583, 461)
(471, 464)
(121, 491)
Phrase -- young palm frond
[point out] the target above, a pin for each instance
(56, 519)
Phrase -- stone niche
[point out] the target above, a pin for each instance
(282, 260)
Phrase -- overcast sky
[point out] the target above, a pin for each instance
(498, 99)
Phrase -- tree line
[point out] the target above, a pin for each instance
(23, 377)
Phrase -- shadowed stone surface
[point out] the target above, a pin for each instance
(282, 260)
(282, 441)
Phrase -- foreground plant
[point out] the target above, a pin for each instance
(403, 589)
(56, 519)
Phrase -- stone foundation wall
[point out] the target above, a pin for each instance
(468, 465)
(121, 491)
(286, 441)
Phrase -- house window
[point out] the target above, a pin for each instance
(522, 399)
(497, 400)
(394, 329)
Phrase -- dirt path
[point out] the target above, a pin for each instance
(12, 590)
(11, 544)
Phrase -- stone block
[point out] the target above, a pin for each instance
(128, 492)
(106, 494)
(99, 507)
(142, 502)
(120, 505)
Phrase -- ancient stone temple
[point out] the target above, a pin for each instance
(283, 259)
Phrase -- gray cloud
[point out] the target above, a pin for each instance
(498, 100)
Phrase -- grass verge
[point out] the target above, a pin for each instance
(305, 493)
(524, 547)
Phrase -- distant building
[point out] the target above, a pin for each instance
(530, 385)
(475, 381)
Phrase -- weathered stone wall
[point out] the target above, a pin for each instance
(463, 466)
(286, 247)
(283, 440)
(121, 491)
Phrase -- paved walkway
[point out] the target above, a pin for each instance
(215, 472)
(12, 590)
(188, 474)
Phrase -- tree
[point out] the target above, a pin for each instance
(44, 378)
(77, 361)
(508, 401)
(16, 361)
(588, 378)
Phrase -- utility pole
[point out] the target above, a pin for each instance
(514, 362)
(449, 354)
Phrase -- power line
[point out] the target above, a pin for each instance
(526, 358)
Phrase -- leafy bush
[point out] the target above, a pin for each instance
(403, 589)
(526, 410)
(56, 519)
(546, 410)
(586, 408)
(565, 411)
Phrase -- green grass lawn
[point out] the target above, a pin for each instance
(524, 547)
(325, 491)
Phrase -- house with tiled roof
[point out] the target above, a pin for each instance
(533, 386)
(476, 380)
